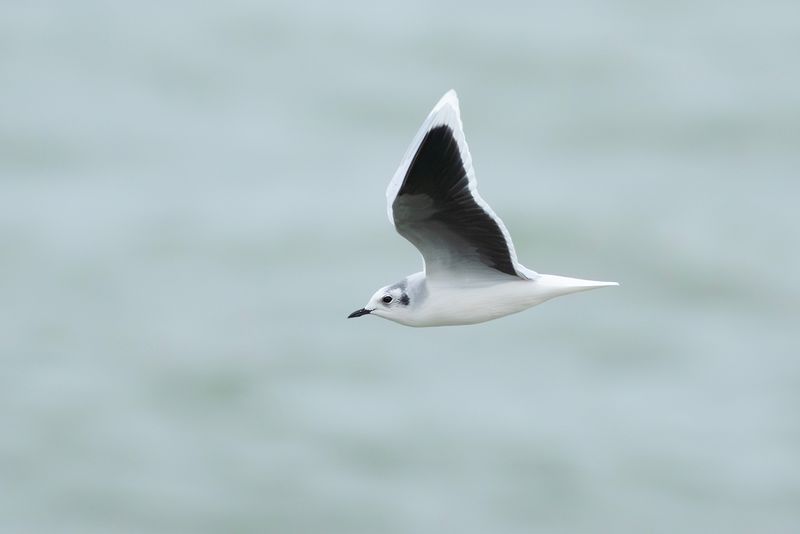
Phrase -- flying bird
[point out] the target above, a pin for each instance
(471, 273)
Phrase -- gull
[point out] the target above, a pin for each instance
(471, 273)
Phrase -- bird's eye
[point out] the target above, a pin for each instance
(387, 299)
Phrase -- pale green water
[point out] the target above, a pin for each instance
(191, 202)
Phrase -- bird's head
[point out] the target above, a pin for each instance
(390, 302)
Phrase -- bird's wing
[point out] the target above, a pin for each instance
(433, 202)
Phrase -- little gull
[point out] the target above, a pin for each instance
(471, 273)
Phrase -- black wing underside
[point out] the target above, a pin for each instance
(436, 211)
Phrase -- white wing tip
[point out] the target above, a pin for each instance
(450, 98)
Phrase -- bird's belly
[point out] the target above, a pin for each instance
(459, 306)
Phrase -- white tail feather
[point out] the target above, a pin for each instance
(563, 285)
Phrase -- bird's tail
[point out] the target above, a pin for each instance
(564, 285)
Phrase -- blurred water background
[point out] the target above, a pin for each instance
(191, 202)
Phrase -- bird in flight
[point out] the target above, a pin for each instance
(471, 273)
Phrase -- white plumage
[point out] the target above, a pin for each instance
(471, 273)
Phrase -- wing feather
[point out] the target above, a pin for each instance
(433, 202)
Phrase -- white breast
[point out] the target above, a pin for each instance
(453, 305)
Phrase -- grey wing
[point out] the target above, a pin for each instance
(434, 203)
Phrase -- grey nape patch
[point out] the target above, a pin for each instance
(401, 285)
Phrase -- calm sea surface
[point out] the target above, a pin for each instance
(191, 202)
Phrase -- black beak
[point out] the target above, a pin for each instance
(359, 313)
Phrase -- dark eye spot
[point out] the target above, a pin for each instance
(404, 299)
(387, 299)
